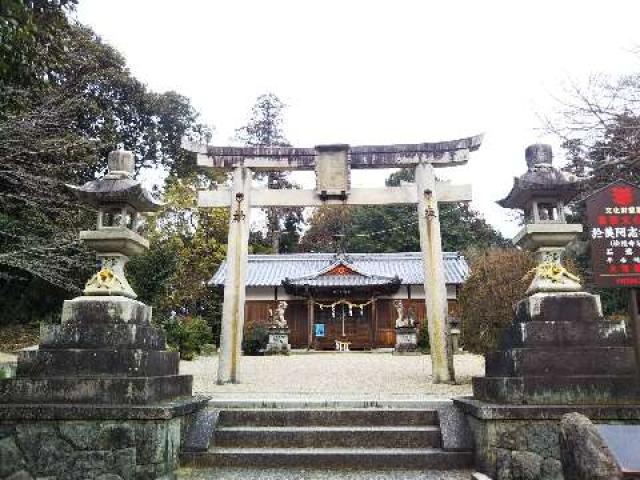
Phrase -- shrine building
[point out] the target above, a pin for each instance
(344, 296)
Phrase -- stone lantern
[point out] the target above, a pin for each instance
(558, 355)
(119, 200)
(101, 397)
(541, 193)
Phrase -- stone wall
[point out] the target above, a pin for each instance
(90, 449)
(522, 442)
(518, 450)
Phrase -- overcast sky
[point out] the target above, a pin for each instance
(373, 72)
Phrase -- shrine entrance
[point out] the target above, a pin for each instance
(343, 324)
(332, 165)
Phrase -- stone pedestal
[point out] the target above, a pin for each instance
(278, 341)
(560, 350)
(406, 340)
(100, 396)
(558, 356)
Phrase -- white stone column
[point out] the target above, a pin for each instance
(235, 279)
(434, 282)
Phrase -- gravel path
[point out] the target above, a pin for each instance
(353, 373)
(291, 474)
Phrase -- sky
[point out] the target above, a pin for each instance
(380, 72)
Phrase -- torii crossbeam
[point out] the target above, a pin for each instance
(332, 164)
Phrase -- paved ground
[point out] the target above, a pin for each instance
(290, 474)
(334, 374)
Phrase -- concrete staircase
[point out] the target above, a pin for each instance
(328, 438)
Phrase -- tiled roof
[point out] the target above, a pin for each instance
(271, 270)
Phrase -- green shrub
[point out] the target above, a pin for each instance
(188, 335)
(255, 340)
(423, 338)
(208, 349)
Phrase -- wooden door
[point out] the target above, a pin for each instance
(357, 326)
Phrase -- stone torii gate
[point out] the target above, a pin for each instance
(332, 165)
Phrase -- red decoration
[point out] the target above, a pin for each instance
(340, 270)
(622, 195)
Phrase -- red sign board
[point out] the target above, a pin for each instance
(613, 217)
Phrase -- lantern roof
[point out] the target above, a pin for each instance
(103, 192)
(117, 186)
(541, 180)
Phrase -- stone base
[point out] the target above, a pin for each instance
(95, 390)
(406, 340)
(105, 310)
(278, 342)
(104, 351)
(81, 442)
(101, 398)
(560, 350)
(513, 442)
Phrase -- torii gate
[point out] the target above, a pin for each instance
(332, 164)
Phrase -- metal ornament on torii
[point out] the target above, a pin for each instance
(332, 165)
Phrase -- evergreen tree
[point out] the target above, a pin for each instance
(60, 115)
(265, 128)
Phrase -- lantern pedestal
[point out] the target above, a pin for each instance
(558, 356)
(101, 396)
(559, 349)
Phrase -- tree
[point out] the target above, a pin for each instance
(599, 126)
(30, 39)
(394, 228)
(264, 128)
(187, 246)
(325, 222)
(58, 129)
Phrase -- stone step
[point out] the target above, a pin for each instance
(103, 390)
(327, 417)
(561, 361)
(560, 389)
(73, 335)
(547, 334)
(108, 362)
(321, 437)
(361, 458)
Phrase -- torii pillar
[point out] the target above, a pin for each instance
(333, 164)
(435, 290)
(232, 325)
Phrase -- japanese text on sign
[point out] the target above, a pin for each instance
(613, 214)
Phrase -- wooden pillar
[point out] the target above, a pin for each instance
(311, 320)
(234, 285)
(435, 293)
(374, 315)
